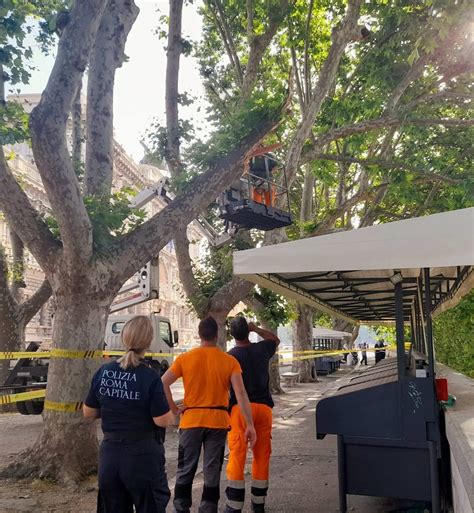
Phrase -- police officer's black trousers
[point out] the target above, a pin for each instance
(191, 441)
(132, 473)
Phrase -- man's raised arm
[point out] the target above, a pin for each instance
(265, 334)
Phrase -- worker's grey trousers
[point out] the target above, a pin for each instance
(190, 443)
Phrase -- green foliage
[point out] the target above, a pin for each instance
(277, 311)
(16, 22)
(453, 333)
(13, 123)
(260, 108)
(110, 217)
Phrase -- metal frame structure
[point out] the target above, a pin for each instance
(387, 419)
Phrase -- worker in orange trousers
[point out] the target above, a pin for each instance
(254, 360)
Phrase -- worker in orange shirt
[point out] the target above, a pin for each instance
(207, 373)
(254, 360)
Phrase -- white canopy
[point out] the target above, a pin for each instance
(348, 273)
(328, 333)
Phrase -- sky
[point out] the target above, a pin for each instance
(140, 83)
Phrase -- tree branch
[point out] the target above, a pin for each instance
(442, 95)
(258, 45)
(374, 124)
(225, 298)
(6, 297)
(307, 72)
(341, 36)
(413, 73)
(107, 56)
(30, 307)
(228, 40)
(389, 164)
(328, 222)
(173, 157)
(77, 136)
(48, 124)
(24, 220)
(17, 280)
(186, 273)
(137, 247)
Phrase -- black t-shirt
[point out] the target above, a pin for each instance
(128, 399)
(254, 360)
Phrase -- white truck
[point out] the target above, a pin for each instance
(164, 339)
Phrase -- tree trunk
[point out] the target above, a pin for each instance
(221, 319)
(67, 448)
(302, 338)
(275, 381)
(12, 334)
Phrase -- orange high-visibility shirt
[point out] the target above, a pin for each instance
(206, 373)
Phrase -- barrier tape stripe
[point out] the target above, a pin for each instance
(70, 353)
(22, 396)
(9, 355)
(63, 407)
(75, 354)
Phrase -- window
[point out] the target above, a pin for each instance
(165, 333)
(117, 327)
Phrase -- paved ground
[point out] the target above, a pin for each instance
(304, 470)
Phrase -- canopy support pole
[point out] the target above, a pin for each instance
(399, 324)
(429, 326)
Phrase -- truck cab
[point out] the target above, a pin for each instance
(164, 340)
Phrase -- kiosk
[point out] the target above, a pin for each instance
(387, 420)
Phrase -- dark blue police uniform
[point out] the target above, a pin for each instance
(132, 458)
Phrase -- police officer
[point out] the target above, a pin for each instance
(128, 396)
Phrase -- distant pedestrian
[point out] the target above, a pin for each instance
(207, 374)
(128, 396)
(364, 354)
(379, 353)
(254, 358)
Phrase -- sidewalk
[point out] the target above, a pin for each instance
(303, 470)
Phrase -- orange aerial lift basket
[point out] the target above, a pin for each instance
(260, 199)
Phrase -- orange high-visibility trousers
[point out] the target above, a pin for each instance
(235, 491)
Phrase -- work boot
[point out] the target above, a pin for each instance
(228, 509)
(258, 508)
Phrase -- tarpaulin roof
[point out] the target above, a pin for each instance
(348, 274)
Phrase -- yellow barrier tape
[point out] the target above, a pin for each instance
(23, 396)
(63, 407)
(121, 353)
(9, 355)
(72, 353)
(320, 354)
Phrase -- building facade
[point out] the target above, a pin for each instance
(172, 302)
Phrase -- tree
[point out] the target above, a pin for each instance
(365, 101)
(246, 33)
(272, 311)
(15, 311)
(371, 153)
(85, 257)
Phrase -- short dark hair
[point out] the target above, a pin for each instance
(208, 329)
(239, 328)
